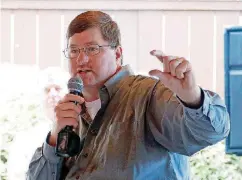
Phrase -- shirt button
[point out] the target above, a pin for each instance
(94, 132)
(85, 155)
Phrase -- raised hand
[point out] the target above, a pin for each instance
(177, 75)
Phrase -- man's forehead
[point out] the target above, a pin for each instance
(90, 36)
(79, 44)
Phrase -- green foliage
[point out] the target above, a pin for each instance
(213, 164)
(18, 114)
(20, 107)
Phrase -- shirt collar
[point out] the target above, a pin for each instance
(112, 84)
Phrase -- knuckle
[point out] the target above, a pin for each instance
(60, 107)
(66, 97)
(179, 70)
(173, 63)
(58, 119)
(57, 112)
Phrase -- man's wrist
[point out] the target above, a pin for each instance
(198, 101)
(48, 151)
(51, 139)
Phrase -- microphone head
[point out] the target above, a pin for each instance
(75, 84)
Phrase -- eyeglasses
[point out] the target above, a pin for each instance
(89, 50)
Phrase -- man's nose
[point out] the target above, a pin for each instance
(82, 58)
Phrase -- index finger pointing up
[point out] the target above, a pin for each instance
(159, 54)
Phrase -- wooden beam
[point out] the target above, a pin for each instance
(233, 5)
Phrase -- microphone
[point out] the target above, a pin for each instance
(68, 142)
(75, 86)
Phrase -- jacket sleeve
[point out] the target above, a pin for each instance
(44, 165)
(184, 130)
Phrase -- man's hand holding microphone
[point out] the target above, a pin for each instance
(63, 136)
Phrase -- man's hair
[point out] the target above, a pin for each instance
(96, 19)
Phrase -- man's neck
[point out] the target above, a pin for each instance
(90, 94)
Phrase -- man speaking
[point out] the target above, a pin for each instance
(131, 127)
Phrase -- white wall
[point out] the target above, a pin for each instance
(33, 32)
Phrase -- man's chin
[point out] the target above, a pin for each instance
(87, 84)
(92, 84)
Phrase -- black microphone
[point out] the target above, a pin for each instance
(68, 142)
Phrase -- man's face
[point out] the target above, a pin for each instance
(94, 70)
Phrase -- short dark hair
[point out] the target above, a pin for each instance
(89, 19)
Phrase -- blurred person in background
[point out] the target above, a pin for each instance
(52, 86)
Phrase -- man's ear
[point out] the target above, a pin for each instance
(119, 55)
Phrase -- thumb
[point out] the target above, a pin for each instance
(167, 79)
(161, 75)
